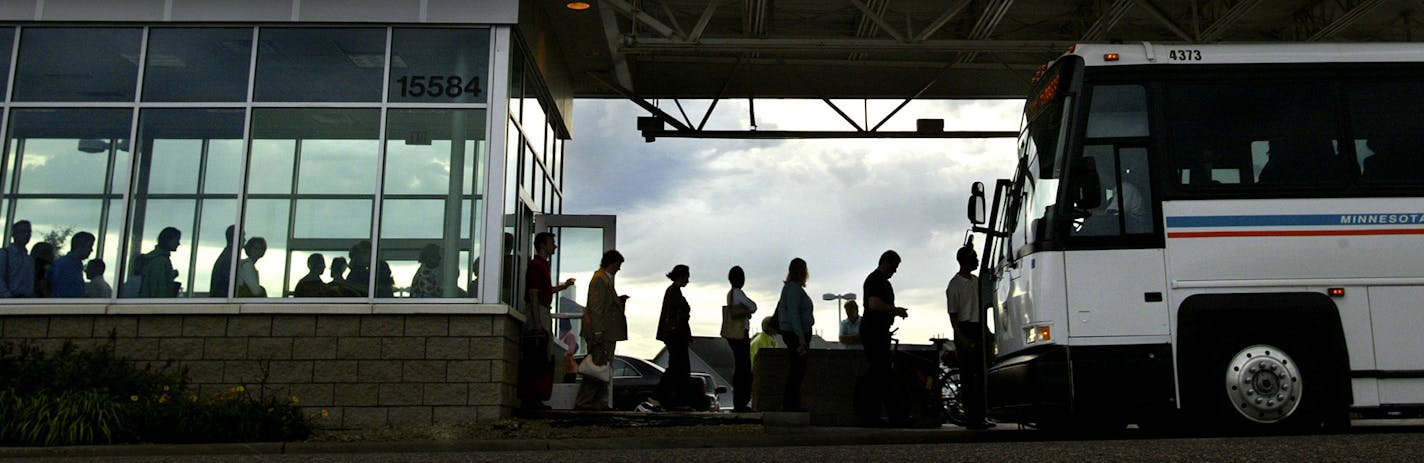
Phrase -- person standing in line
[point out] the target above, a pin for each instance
(880, 313)
(338, 286)
(222, 267)
(765, 339)
(311, 284)
(426, 282)
(675, 333)
(43, 254)
(536, 364)
(66, 276)
(736, 318)
(850, 327)
(17, 267)
(962, 299)
(249, 283)
(794, 310)
(97, 287)
(604, 324)
(158, 273)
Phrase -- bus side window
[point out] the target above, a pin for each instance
(1389, 135)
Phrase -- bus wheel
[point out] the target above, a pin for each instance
(1263, 384)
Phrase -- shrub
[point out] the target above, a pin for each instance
(92, 396)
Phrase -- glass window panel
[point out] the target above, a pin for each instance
(513, 147)
(266, 219)
(174, 167)
(325, 64)
(1118, 111)
(224, 167)
(1388, 134)
(301, 266)
(534, 122)
(69, 151)
(336, 150)
(55, 220)
(7, 43)
(197, 64)
(424, 238)
(516, 81)
(77, 64)
(439, 65)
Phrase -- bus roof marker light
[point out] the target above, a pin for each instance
(1110, 57)
(1336, 292)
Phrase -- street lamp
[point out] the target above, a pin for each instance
(838, 298)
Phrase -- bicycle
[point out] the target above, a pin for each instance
(952, 408)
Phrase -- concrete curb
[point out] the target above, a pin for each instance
(808, 437)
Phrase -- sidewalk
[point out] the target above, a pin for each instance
(746, 436)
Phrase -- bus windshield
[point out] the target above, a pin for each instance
(1035, 189)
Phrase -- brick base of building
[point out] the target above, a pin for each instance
(365, 370)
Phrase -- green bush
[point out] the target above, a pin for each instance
(91, 396)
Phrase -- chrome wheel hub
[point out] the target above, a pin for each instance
(1263, 383)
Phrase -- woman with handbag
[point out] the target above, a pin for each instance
(604, 324)
(736, 318)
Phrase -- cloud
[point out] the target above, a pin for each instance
(839, 204)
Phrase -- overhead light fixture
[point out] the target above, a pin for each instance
(578, 6)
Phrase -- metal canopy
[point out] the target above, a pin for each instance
(902, 49)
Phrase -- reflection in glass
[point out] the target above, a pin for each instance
(180, 152)
(7, 43)
(77, 64)
(439, 65)
(197, 64)
(433, 158)
(331, 153)
(59, 164)
(325, 64)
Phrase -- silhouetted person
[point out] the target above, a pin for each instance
(339, 287)
(222, 267)
(249, 283)
(311, 284)
(97, 287)
(605, 322)
(66, 276)
(385, 280)
(17, 268)
(426, 282)
(880, 312)
(736, 321)
(43, 253)
(795, 312)
(358, 279)
(676, 334)
(962, 303)
(1299, 160)
(157, 266)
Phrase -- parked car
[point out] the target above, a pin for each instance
(635, 379)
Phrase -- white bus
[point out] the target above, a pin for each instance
(1231, 231)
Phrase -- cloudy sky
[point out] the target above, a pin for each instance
(838, 204)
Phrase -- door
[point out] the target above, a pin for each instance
(582, 240)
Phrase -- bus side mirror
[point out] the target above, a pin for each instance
(1087, 188)
(976, 203)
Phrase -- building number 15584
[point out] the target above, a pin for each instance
(437, 86)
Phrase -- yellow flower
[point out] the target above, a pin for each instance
(133, 398)
(239, 389)
(165, 388)
(163, 399)
(192, 397)
(324, 413)
(295, 400)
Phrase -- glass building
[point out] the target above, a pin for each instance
(327, 158)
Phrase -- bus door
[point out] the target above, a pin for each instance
(1115, 265)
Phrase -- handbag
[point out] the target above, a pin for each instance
(593, 370)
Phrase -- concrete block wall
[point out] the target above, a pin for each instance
(366, 370)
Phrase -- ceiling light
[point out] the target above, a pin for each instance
(578, 6)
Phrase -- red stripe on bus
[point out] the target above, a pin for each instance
(1239, 234)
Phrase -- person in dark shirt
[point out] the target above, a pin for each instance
(880, 313)
(66, 276)
(222, 268)
(311, 284)
(674, 332)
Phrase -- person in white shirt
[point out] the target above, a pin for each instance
(850, 327)
(962, 299)
(736, 318)
(249, 283)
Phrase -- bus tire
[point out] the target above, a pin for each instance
(1267, 383)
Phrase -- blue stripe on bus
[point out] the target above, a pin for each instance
(1209, 221)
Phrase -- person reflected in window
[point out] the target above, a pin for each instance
(311, 284)
(157, 267)
(427, 278)
(222, 267)
(360, 274)
(249, 283)
(385, 280)
(17, 268)
(1298, 159)
(97, 287)
(339, 286)
(43, 253)
(66, 276)
(130, 286)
